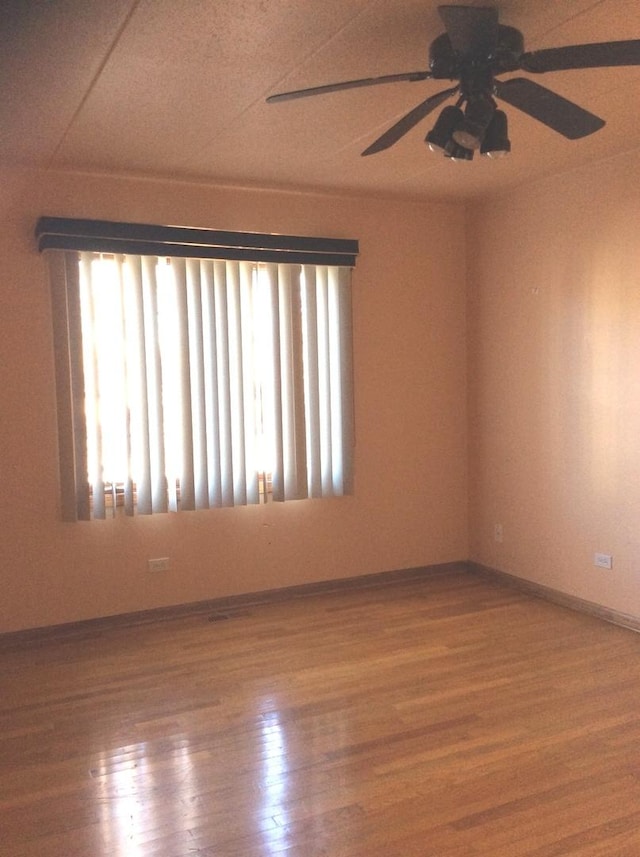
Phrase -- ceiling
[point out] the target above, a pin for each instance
(177, 88)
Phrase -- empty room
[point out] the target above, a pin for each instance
(320, 387)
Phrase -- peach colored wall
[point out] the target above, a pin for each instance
(409, 508)
(554, 348)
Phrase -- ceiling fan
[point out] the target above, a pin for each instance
(474, 49)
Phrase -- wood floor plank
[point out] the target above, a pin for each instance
(442, 716)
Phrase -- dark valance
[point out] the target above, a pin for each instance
(104, 236)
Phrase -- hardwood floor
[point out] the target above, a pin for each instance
(443, 717)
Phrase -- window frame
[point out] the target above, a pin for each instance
(66, 237)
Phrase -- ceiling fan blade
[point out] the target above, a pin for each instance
(393, 134)
(599, 55)
(350, 84)
(548, 107)
(472, 30)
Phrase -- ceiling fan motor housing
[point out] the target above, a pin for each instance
(446, 64)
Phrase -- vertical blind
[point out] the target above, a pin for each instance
(189, 383)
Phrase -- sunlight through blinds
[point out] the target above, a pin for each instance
(203, 382)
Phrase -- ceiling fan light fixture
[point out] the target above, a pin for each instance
(440, 135)
(455, 152)
(496, 143)
(477, 118)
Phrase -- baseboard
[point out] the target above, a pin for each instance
(572, 602)
(227, 604)
(232, 603)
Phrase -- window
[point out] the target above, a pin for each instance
(198, 374)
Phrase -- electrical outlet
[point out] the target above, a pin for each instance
(498, 532)
(159, 564)
(603, 560)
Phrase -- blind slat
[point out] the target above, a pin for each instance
(197, 381)
(139, 391)
(250, 393)
(224, 382)
(344, 326)
(211, 388)
(157, 459)
(185, 473)
(273, 408)
(325, 404)
(312, 390)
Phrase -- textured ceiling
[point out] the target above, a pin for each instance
(177, 88)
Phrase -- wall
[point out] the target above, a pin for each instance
(409, 508)
(554, 350)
